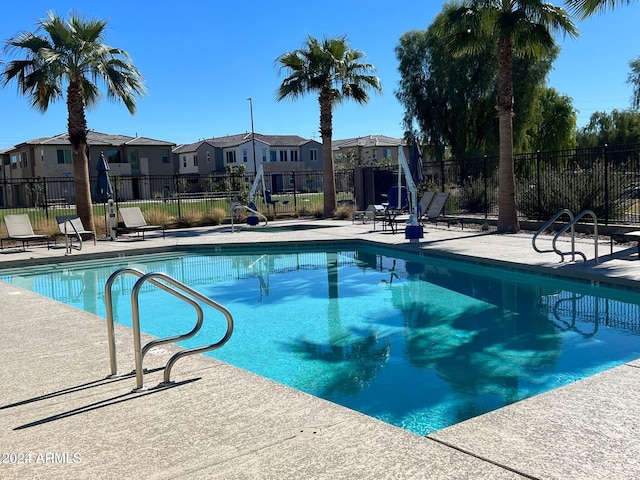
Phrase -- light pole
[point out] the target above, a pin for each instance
(253, 138)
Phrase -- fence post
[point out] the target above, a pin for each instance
(295, 197)
(442, 173)
(486, 187)
(606, 184)
(538, 184)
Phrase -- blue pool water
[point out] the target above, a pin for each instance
(417, 342)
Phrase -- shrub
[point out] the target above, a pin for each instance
(472, 195)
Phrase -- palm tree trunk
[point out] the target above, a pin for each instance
(507, 213)
(77, 125)
(326, 132)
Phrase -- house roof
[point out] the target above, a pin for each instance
(97, 138)
(367, 142)
(230, 141)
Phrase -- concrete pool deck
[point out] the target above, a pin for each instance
(62, 418)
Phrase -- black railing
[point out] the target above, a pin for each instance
(603, 179)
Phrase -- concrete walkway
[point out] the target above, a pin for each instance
(62, 418)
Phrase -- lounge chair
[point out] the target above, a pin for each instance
(397, 205)
(269, 200)
(424, 203)
(434, 212)
(134, 221)
(71, 227)
(19, 229)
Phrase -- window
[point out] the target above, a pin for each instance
(165, 155)
(283, 155)
(208, 156)
(113, 156)
(195, 160)
(264, 155)
(272, 156)
(386, 153)
(294, 155)
(25, 159)
(42, 154)
(14, 161)
(313, 155)
(133, 158)
(184, 161)
(231, 156)
(245, 155)
(64, 156)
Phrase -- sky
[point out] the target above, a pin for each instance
(203, 59)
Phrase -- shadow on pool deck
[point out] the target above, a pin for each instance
(62, 418)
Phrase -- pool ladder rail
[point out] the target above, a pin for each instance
(569, 226)
(175, 288)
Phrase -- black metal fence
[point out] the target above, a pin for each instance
(182, 197)
(603, 179)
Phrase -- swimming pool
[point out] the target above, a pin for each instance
(416, 341)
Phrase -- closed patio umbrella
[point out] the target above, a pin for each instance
(415, 163)
(103, 187)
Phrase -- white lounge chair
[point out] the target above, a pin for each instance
(134, 221)
(19, 228)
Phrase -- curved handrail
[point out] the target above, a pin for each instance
(547, 225)
(249, 209)
(110, 321)
(68, 245)
(141, 351)
(191, 351)
(570, 225)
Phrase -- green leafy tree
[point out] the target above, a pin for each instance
(452, 98)
(334, 71)
(510, 28)
(633, 79)
(552, 123)
(72, 53)
(616, 128)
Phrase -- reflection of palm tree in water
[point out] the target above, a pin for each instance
(355, 357)
(483, 349)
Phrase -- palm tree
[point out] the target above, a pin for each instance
(333, 70)
(73, 53)
(585, 8)
(510, 27)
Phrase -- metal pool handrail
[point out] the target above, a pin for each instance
(570, 225)
(548, 224)
(139, 351)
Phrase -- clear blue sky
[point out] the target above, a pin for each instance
(202, 59)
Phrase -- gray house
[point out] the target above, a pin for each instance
(49, 159)
(276, 153)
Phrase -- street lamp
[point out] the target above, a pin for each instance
(253, 138)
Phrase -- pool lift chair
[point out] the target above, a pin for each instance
(254, 216)
(413, 230)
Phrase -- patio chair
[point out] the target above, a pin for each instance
(19, 229)
(71, 227)
(397, 205)
(269, 200)
(434, 212)
(424, 203)
(134, 221)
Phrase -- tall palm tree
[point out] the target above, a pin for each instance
(510, 27)
(335, 71)
(585, 8)
(72, 53)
